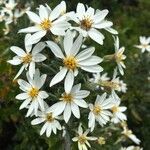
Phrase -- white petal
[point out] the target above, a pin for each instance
(67, 113)
(43, 94)
(100, 15)
(81, 103)
(18, 51)
(76, 45)
(80, 130)
(57, 31)
(31, 69)
(19, 72)
(96, 36)
(104, 24)
(22, 96)
(28, 47)
(43, 13)
(75, 110)
(42, 81)
(80, 9)
(36, 36)
(85, 54)
(69, 80)
(37, 121)
(90, 12)
(55, 13)
(68, 41)
(38, 48)
(76, 88)
(93, 69)
(30, 29)
(93, 60)
(34, 17)
(55, 49)
(25, 85)
(44, 128)
(111, 30)
(49, 130)
(81, 94)
(59, 76)
(41, 103)
(15, 61)
(25, 103)
(39, 57)
(57, 108)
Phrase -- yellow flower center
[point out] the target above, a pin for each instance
(67, 97)
(119, 57)
(115, 109)
(34, 92)
(49, 117)
(82, 139)
(145, 45)
(86, 23)
(97, 109)
(27, 59)
(46, 24)
(70, 62)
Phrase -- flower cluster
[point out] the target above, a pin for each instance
(71, 64)
(10, 12)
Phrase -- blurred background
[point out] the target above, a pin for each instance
(131, 19)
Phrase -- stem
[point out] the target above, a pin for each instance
(67, 140)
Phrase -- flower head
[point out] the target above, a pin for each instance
(48, 20)
(32, 95)
(144, 44)
(73, 59)
(99, 111)
(71, 99)
(119, 56)
(51, 123)
(90, 21)
(128, 133)
(83, 139)
(29, 57)
(117, 110)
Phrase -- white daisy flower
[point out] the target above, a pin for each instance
(131, 148)
(72, 60)
(46, 21)
(90, 21)
(117, 110)
(32, 95)
(115, 84)
(98, 78)
(71, 99)
(29, 57)
(99, 111)
(119, 56)
(128, 133)
(51, 123)
(83, 139)
(118, 84)
(144, 44)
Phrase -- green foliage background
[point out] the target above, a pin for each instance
(131, 18)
